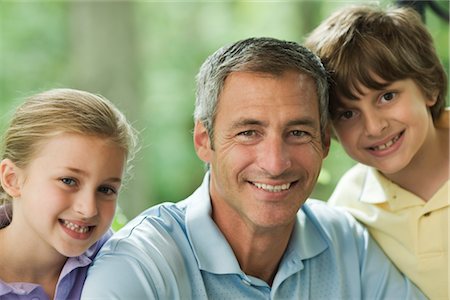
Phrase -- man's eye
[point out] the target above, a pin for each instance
(68, 181)
(298, 133)
(247, 133)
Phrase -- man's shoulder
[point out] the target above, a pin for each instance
(158, 224)
(334, 222)
(144, 259)
(326, 213)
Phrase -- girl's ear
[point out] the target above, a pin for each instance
(9, 178)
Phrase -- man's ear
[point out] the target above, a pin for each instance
(9, 178)
(202, 142)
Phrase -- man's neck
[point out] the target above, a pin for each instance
(258, 251)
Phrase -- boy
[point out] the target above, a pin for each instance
(387, 96)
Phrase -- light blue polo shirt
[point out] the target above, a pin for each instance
(175, 251)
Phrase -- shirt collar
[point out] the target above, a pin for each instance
(214, 254)
(378, 189)
(374, 187)
(210, 247)
(26, 288)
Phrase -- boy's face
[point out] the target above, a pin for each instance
(68, 193)
(386, 129)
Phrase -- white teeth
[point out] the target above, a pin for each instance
(388, 144)
(272, 188)
(75, 227)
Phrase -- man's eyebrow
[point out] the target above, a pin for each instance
(247, 121)
(311, 122)
(306, 121)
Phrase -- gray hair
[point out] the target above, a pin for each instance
(262, 55)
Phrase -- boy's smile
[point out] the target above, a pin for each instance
(383, 148)
(386, 129)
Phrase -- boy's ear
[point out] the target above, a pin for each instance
(202, 142)
(326, 141)
(9, 178)
(433, 99)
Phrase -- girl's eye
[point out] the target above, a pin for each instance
(107, 190)
(388, 96)
(68, 181)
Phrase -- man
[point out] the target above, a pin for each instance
(260, 125)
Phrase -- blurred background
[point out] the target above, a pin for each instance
(143, 56)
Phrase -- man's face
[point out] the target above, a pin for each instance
(267, 149)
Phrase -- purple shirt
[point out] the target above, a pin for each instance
(70, 280)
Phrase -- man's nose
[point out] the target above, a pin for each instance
(274, 157)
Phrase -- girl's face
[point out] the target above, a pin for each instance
(386, 129)
(67, 195)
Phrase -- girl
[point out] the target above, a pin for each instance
(63, 158)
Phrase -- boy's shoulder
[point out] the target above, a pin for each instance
(355, 177)
(360, 186)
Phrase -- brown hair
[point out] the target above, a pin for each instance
(359, 44)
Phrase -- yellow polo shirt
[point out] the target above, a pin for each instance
(413, 233)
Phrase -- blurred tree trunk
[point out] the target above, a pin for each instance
(309, 16)
(105, 61)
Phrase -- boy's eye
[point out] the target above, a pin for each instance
(68, 181)
(388, 96)
(348, 114)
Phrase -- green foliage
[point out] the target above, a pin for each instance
(38, 41)
(119, 219)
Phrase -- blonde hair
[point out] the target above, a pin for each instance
(57, 111)
(359, 43)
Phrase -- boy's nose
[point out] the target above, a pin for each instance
(374, 124)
